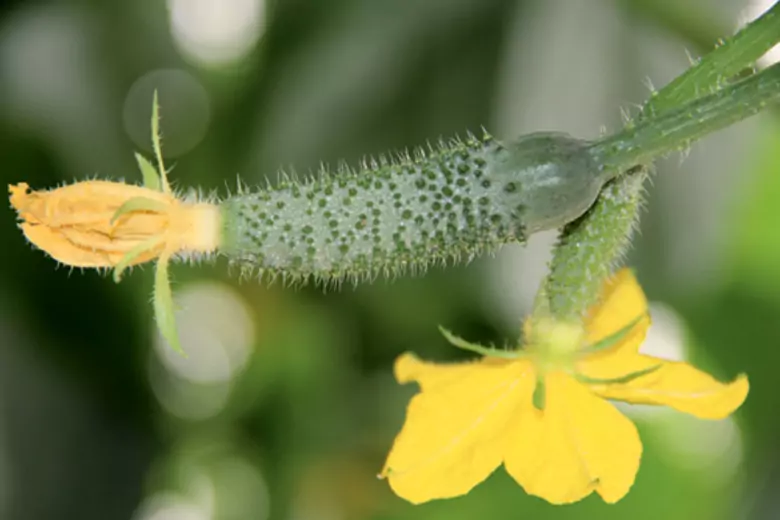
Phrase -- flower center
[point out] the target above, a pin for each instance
(554, 344)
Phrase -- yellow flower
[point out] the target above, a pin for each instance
(116, 225)
(81, 225)
(543, 411)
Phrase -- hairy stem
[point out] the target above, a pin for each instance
(585, 255)
(676, 127)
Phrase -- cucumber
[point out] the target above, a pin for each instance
(452, 203)
(459, 200)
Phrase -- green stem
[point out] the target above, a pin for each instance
(738, 53)
(591, 246)
(677, 127)
(589, 249)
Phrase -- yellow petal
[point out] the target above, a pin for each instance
(622, 302)
(80, 248)
(59, 248)
(578, 444)
(76, 224)
(454, 434)
(409, 367)
(618, 361)
(682, 387)
(83, 203)
(73, 223)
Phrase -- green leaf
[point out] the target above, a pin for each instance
(612, 339)
(139, 204)
(479, 349)
(134, 253)
(617, 380)
(163, 306)
(149, 173)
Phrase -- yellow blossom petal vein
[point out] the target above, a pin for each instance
(545, 417)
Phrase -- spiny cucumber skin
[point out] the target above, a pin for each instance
(455, 202)
(590, 247)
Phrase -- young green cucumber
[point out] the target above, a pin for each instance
(459, 200)
(455, 202)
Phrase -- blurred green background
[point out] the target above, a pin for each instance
(287, 406)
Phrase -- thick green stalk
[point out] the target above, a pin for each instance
(738, 53)
(675, 128)
(590, 247)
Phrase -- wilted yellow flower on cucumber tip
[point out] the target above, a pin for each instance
(81, 224)
(106, 224)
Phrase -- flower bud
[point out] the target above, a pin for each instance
(98, 223)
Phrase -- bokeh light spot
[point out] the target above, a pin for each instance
(753, 10)
(184, 111)
(215, 32)
(186, 399)
(170, 506)
(666, 337)
(713, 450)
(216, 331)
(666, 340)
(241, 490)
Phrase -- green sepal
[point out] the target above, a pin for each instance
(163, 306)
(540, 393)
(149, 172)
(617, 380)
(479, 349)
(157, 143)
(139, 204)
(134, 253)
(612, 339)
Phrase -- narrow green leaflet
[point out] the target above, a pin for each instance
(612, 339)
(157, 143)
(149, 173)
(139, 204)
(479, 349)
(134, 253)
(163, 305)
(617, 380)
